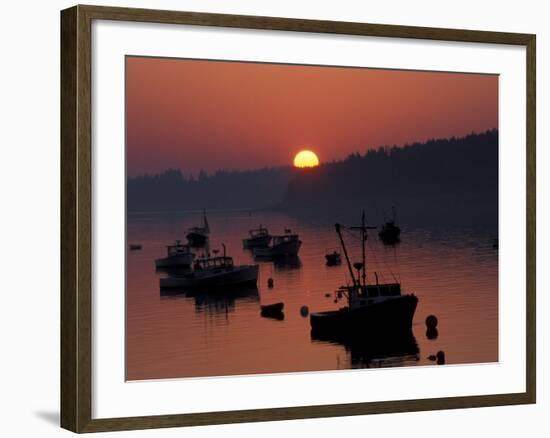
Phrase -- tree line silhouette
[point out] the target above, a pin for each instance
(172, 190)
(453, 179)
(440, 179)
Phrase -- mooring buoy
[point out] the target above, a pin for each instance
(270, 283)
(304, 311)
(431, 321)
(431, 327)
(432, 334)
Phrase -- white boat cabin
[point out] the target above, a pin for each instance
(178, 249)
(278, 240)
(258, 232)
(213, 263)
(365, 295)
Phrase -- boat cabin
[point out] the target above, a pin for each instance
(363, 295)
(258, 232)
(213, 263)
(277, 240)
(381, 290)
(177, 249)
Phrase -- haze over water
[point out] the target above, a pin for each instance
(453, 272)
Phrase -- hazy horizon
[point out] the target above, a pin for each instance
(196, 172)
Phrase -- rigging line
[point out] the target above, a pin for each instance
(372, 255)
(383, 263)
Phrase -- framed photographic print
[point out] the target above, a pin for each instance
(269, 218)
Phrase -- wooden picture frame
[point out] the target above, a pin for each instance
(76, 218)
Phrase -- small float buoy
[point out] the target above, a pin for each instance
(440, 358)
(270, 283)
(431, 327)
(304, 311)
(327, 295)
(432, 334)
(431, 321)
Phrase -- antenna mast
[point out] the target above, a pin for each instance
(338, 226)
(363, 228)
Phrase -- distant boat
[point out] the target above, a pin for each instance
(178, 256)
(390, 232)
(371, 309)
(212, 273)
(286, 245)
(135, 246)
(333, 258)
(198, 236)
(257, 238)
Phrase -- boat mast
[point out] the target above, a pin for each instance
(363, 228)
(338, 226)
(205, 224)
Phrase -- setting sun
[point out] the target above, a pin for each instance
(306, 159)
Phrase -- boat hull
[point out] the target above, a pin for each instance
(256, 242)
(388, 316)
(284, 249)
(242, 275)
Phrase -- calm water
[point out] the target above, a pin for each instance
(454, 273)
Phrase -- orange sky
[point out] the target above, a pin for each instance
(194, 115)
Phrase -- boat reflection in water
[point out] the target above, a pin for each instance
(218, 302)
(374, 350)
(287, 263)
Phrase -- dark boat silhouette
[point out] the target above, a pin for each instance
(389, 232)
(198, 236)
(372, 309)
(213, 273)
(257, 238)
(177, 256)
(333, 258)
(285, 245)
